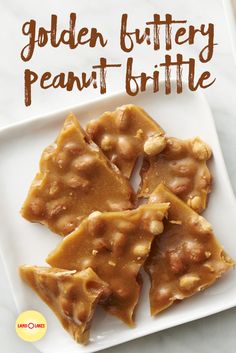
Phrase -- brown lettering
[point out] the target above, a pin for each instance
(92, 36)
(102, 67)
(30, 78)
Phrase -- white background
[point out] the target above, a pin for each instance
(213, 334)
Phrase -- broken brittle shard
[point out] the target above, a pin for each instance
(71, 295)
(75, 179)
(186, 258)
(124, 134)
(115, 245)
(181, 166)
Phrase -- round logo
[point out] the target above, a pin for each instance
(31, 326)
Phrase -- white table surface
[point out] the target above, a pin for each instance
(210, 335)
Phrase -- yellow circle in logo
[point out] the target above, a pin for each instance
(31, 326)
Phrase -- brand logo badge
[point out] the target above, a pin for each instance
(31, 326)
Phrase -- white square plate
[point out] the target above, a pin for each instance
(184, 115)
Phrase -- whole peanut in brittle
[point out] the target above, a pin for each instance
(121, 135)
(181, 166)
(75, 179)
(72, 295)
(115, 245)
(186, 258)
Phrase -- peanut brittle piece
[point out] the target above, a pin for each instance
(115, 245)
(186, 258)
(123, 135)
(181, 166)
(75, 179)
(71, 295)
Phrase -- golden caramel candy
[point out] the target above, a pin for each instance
(115, 245)
(124, 134)
(71, 295)
(186, 258)
(181, 166)
(75, 179)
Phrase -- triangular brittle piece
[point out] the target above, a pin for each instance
(181, 166)
(115, 245)
(123, 135)
(75, 179)
(186, 258)
(71, 295)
